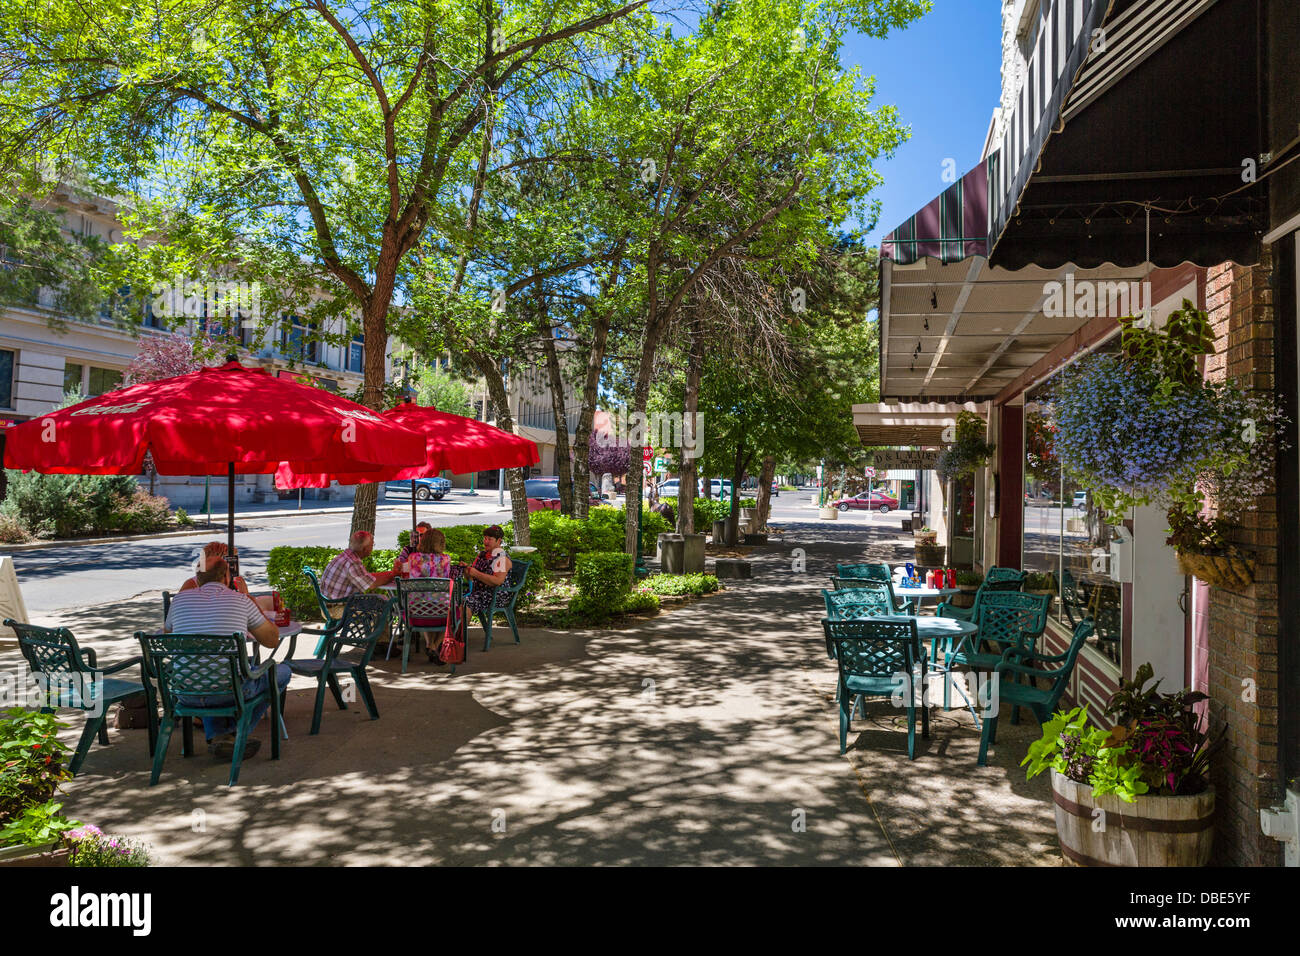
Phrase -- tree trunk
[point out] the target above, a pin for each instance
(737, 476)
(688, 485)
(587, 418)
(515, 476)
(640, 397)
(765, 477)
(375, 328)
(568, 492)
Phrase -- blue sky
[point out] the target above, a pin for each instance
(943, 75)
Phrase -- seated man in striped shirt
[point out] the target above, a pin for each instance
(346, 575)
(213, 608)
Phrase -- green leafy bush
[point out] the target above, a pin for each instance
(638, 602)
(970, 578)
(1081, 752)
(183, 518)
(37, 824)
(603, 579)
(31, 760)
(64, 506)
(556, 537)
(679, 584)
(12, 530)
(284, 570)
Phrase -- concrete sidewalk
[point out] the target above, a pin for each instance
(706, 735)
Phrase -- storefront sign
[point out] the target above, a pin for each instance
(901, 459)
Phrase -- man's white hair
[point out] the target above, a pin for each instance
(360, 539)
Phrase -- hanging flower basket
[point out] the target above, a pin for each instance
(1232, 571)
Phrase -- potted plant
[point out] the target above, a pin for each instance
(929, 554)
(968, 452)
(926, 537)
(32, 769)
(1143, 427)
(969, 581)
(1041, 582)
(1138, 795)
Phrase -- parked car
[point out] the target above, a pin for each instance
(1081, 499)
(545, 493)
(670, 488)
(425, 488)
(875, 501)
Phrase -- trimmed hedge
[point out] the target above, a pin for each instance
(680, 584)
(603, 579)
(284, 570)
(464, 541)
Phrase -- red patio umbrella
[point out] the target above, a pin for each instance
(452, 442)
(229, 420)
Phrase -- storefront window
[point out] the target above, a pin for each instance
(1065, 533)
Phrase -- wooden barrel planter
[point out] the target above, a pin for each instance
(1154, 831)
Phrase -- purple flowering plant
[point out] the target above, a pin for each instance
(1142, 427)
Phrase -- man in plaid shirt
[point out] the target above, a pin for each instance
(347, 575)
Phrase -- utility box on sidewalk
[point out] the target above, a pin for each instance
(692, 554)
(670, 553)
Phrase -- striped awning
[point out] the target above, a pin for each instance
(951, 227)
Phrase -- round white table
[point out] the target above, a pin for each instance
(917, 595)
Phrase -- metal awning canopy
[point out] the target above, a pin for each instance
(1123, 150)
(918, 424)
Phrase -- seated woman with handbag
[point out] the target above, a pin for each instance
(430, 561)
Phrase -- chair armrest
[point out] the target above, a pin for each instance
(261, 669)
(1006, 665)
(129, 662)
(1034, 655)
(89, 654)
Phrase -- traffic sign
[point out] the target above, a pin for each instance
(647, 468)
(647, 453)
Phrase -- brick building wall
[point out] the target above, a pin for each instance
(1243, 631)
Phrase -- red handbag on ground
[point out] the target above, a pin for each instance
(452, 649)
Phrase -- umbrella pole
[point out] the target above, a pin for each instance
(414, 543)
(230, 511)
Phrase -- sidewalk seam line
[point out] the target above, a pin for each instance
(862, 785)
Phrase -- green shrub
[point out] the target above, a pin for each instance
(36, 825)
(556, 537)
(183, 518)
(284, 570)
(12, 530)
(602, 578)
(639, 602)
(32, 765)
(64, 506)
(970, 578)
(538, 580)
(679, 584)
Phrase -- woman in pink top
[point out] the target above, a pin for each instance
(429, 561)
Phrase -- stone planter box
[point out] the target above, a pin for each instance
(828, 514)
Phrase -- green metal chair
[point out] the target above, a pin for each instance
(424, 604)
(331, 622)
(365, 619)
(503, 601)
(871, 572)
(875, 657)
(854, 604)
(74, 679)
(1006, 619)
(901, 606)
(998, 579)
(189, 667)
(1072, 598)
(1042, 702)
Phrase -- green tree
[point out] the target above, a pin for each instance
(326, 137)
(443, 391)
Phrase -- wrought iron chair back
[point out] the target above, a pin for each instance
(874, 648)
(1012, 619)
(51, 650)
(871, 572)
(197, 665)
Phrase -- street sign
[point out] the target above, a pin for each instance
(906, 459)
(871, 472)
(647, 453)
(661, 464)
(647, 468)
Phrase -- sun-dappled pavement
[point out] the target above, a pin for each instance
(705, 735)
